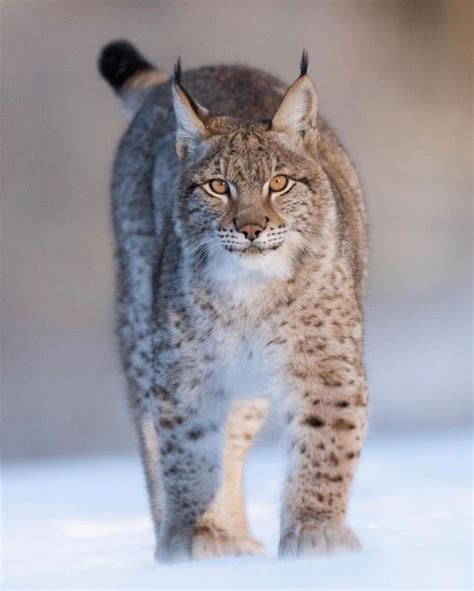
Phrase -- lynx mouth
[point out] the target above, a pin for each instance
(253, 250)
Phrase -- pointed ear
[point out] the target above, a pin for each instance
(191, 120)
(297, 113)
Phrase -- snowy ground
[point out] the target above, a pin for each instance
(83, 524)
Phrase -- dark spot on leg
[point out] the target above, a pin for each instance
(343, 425)
(167, 423)
(168, 448)
(195, 434)
(315, 422)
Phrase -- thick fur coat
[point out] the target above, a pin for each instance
(241, 250)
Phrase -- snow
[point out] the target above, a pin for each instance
(84, 524)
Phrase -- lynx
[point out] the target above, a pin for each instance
(241, 254)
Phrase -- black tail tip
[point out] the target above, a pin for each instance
(118, 61)
(304, 63)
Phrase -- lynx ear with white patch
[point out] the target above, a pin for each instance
(191, 118)
(297, 113)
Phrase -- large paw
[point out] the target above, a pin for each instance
(309, 538)
(209, 541)
(174, 546)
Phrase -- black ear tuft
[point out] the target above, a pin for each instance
(177, 72)
(177, 81)
(118, 61)
(304, 63)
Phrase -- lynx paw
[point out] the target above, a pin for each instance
(310, 538)
(210, 542)
(174, 546)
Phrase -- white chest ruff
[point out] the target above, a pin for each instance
(244, 371)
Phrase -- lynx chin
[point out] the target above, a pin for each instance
(241, 254)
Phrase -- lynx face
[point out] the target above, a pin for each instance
(251, 195)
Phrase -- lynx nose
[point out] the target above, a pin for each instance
(251, 231)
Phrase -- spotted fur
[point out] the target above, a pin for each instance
(207, 316)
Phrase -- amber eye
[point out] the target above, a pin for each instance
(219, 186)
(278, 183)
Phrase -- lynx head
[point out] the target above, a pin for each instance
(252, 197)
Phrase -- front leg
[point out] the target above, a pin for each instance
(227, 514)
(190, 437)
(326, 428)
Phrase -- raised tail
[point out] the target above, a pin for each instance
(129, 73)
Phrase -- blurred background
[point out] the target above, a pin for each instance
(394, 80)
